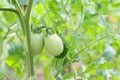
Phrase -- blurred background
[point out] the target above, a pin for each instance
(92, 31)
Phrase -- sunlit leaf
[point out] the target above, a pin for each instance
(7, 16)
(92, 72)
(106, 66)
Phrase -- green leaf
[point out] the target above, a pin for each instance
(114, 77)
(118, 52)
(68, 76)
(14, 62)
(76, 5)
(100, 77)
(106, 66)
(53, 6)
(9, 17)
(2, 77)
(35, 21)
(39, 9)
(91, 67)
(115, 5)
(92, 72)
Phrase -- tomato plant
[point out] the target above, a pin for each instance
(73, 40)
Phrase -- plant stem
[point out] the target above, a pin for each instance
(24, 20)
(62, 67)
(21, 14)
(18, 7)
(89, 46)
(29, 9)
(9, 9)
(27, 26)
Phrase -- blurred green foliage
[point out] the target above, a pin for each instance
(81, 22)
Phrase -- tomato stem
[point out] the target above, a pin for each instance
(25, 22)
(29, 54)
(20, 15)
(84, 48)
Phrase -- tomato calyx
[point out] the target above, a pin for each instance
(50, 31)
(38, 29)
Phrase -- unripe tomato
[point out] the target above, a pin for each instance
(53, 44)
(36, 43)
(64, 52)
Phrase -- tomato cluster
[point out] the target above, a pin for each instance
(51, 41)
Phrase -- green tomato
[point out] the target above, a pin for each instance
(36, 43)
(53, 44)
(64, 52)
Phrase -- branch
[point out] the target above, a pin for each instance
(18, 7)
(10, 10)
(20, 16)
(84, 48)
(29, 9)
